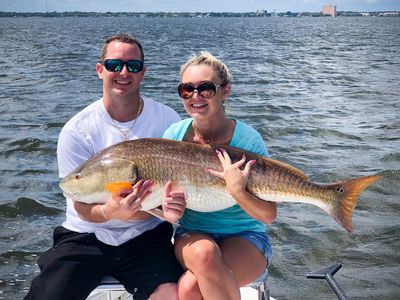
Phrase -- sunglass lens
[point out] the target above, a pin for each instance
(207, 89)
(185, 90)
(134, 66)
(113, 65)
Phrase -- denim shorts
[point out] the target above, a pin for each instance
(258, 239)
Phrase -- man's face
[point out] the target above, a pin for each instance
(122, 83)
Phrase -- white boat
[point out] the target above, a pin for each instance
(111, 289)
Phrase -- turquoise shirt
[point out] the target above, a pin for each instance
(233, 219)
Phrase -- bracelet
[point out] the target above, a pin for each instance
(103, 212)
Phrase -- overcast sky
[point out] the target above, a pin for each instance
(195, 6)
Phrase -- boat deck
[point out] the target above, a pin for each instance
(110, 289)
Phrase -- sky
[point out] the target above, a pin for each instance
(195, 5)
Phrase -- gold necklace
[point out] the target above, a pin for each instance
(126, 134)
(221, 139)
(197, 134)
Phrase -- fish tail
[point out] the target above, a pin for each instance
(350, 191)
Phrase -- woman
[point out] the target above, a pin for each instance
(223, 250)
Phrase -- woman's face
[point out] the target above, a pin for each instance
(200, 105)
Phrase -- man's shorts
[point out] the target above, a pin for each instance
(77, 262)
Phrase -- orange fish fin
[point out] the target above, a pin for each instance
(117, 186)
(350, 191)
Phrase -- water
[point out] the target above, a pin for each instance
(324, 93)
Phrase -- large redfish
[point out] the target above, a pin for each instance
(121, 165)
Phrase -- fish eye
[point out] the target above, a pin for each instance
(77, 176)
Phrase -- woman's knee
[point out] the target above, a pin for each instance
(202, 256)
(188, 287)
(165, 291)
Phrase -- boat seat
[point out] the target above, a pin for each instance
(112, 289)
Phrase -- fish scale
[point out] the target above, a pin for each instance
(185, 163)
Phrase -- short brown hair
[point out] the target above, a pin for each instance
(124, 38)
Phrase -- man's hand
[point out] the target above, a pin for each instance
(125, 204)
(173, 203)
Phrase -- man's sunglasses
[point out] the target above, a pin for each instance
(116, 65)
(205, 89)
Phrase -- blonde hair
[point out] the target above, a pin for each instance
(206, 58)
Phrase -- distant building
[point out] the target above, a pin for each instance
(261, 12)
(391, 14)
(329, 10)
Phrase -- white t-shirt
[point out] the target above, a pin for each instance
(92, 130)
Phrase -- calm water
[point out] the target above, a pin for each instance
(323, 92)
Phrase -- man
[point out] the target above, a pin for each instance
(114, 238)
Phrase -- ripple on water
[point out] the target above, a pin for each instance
(324, 102)
(26, 207)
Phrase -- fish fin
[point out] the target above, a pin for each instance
(350, 191)
(292, 169)
(157, 212)
(117, 186)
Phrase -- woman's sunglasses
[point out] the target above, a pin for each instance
(205, 89)
(116, 65)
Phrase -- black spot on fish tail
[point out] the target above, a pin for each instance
(349, 192)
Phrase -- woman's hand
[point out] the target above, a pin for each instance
(234, 176)
(236, 179)
(173, 203)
